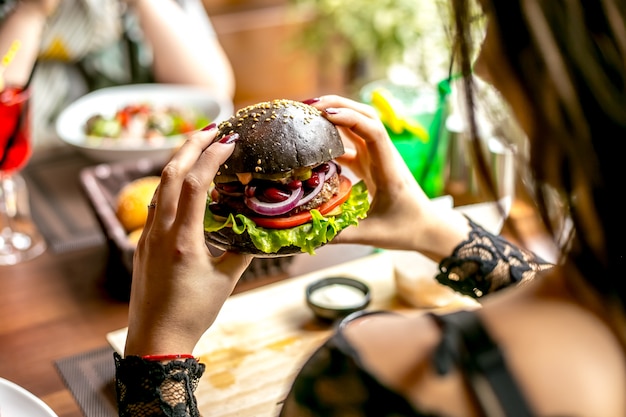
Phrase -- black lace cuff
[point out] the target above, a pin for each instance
(149, 388)
(486, 263)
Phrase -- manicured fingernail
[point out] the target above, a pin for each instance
(228, 139)
(311, 100)
(331, 110)
(209, 127)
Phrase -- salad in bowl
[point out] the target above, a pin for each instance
(139, 120)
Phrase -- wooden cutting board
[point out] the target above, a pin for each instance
(262, 337)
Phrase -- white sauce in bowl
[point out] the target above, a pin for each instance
(337, 296)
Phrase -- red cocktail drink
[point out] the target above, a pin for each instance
(19, 238)
(15, 140)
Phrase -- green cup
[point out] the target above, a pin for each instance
(425, 153)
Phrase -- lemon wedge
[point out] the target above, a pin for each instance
(416, 129)
(7, 58)
(382, 101)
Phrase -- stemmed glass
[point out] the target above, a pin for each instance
(19, 238)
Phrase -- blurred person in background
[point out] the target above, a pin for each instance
(548, 340)
(82, 45)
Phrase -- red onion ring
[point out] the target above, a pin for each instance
(296, 199)
(275, 209)
(332, 170)
(315, 191)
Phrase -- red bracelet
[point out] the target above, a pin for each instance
(167, 357)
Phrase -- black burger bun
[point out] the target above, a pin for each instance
(278, 136)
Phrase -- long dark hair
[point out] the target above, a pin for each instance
(570, 59)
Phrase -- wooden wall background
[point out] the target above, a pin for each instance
(260, 38)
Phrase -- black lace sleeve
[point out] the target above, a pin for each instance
(486, 263)
(149, 388)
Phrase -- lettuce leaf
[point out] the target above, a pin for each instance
(307, 236)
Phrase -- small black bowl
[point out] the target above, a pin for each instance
(334, 298)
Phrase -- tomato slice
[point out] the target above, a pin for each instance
(286, 222)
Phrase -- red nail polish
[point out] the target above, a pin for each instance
(209, 127)
(331, 110)
(311, 100)
(228, 139)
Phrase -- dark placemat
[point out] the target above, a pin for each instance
(90, 377)
(58, 203)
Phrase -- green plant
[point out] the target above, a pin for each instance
(380, 32)
(384, 28)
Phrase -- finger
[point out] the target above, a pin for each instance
(368, 129)
(174, 173)
(348, 156)
(195, 188)
(356, 156)
(339, 101)
(379, 149)
(233, 264)
(379, 161)
(151, 210)
(370, 233)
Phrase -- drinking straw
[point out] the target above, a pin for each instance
(382, 100)
(7, 59)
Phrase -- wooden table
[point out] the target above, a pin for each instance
(52, 307)
(56, 306)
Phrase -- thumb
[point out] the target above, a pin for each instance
(218, 152)
(233, 264)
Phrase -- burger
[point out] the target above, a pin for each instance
(281, 192)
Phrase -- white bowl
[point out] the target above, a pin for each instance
(70, 125)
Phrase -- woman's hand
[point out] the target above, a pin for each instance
(178, 287)
(401, 215)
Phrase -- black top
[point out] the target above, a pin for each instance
(465, 344)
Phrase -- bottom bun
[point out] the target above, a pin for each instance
(227, 240)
